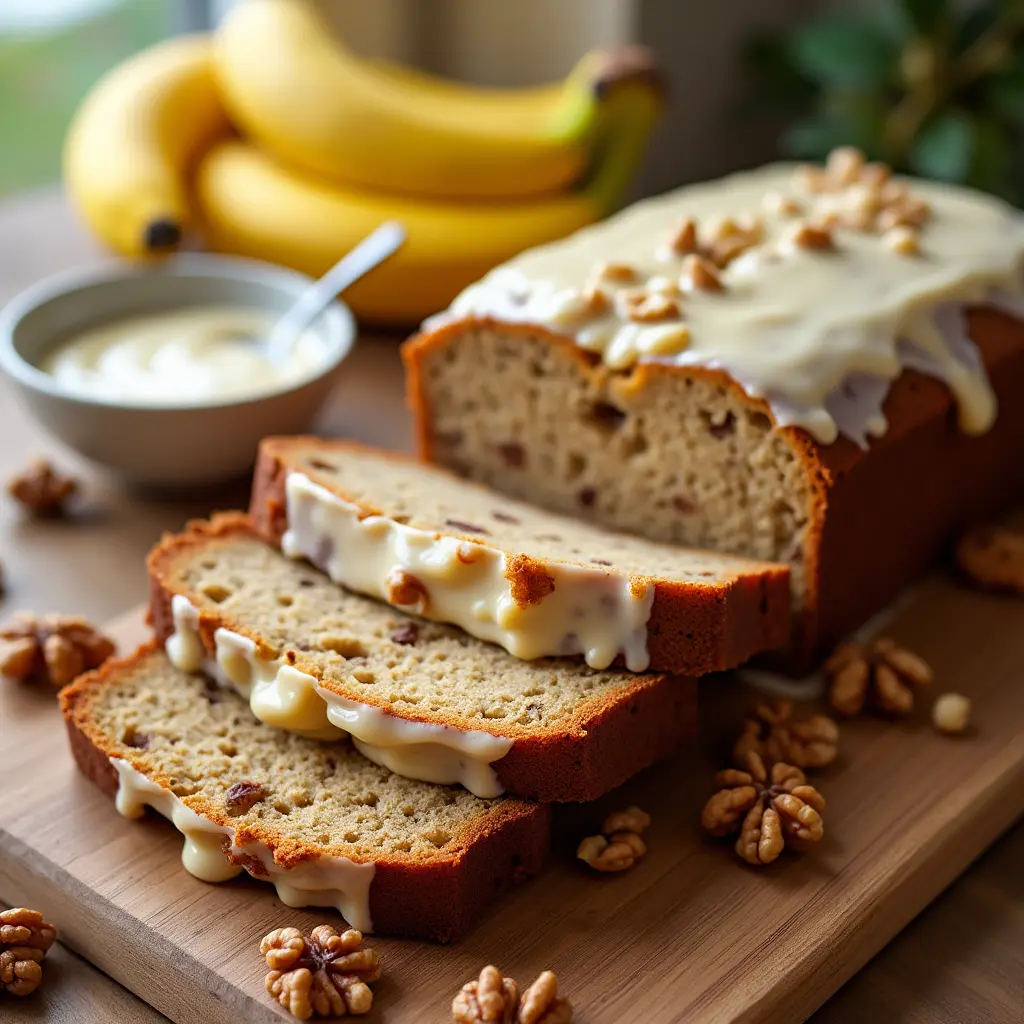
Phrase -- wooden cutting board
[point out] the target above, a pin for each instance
(690, 934)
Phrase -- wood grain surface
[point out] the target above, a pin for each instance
(960, 962)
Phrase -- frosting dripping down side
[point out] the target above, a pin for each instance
(325, 882)
(284, 697)
(589, 611)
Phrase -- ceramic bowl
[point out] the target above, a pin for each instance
(171, 446)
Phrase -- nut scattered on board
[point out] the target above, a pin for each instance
(951, 713)
(619, 846)
(51, 648)
(41, 489)
(879, 675)
(322, 974)
(770, 730)
(992, 557)
(24, 939)
(493, 999)
(772, 809)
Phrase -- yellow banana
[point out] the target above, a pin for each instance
(252, 206)
(134, 140)
(295, 89)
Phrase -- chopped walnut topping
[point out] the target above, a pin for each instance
(322, 974)
(652, 309)
(844, 165)
(406, 590)
(490, 998)
(51, 648)
(771, 731)
(243, 796)
(992, 557)
(771, 809)
(41, 489)
(875, 175)
(700, 274)
(24, 940)
(903, 240)
(808, 178)
(879, 675)
(624, 273)
(951, 713)
(810, 236)
(904, 212)
(684, 239)
(620, 846)
(595, 301)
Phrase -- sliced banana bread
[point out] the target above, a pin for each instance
(535, 582)
(318, 821)
(424, 699)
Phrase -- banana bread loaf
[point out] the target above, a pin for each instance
(425, 700)
(537, 583)
(820, 366)
(318, 821)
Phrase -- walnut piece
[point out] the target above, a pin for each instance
(322, 974)
(41, 489)
(879, 675)
(51, 648)
(770, 730)
(406, 591)
(542, 1004)
(493, 999)
(951, 713)
(772, 809)
(992, 557)
(619, 846)
(24, 939)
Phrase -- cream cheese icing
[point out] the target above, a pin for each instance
(284, 697)
(589, 611)
(818, 331)
(324, 882)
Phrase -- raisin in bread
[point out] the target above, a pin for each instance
(537, 583)
(874, 399)
(424, 699)
(319, 821)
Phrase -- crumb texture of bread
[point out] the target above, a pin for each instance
(559, 712)
(711, 611)
(196, 740)
(683, 455)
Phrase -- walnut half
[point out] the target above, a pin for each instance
(770, 808)
(322, 974)
(494, 999)
(619, 846)
(51, 648)
(24, 939)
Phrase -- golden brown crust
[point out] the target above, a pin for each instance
(437, 897)
(607, 740)
(693, 629)
(878, 517)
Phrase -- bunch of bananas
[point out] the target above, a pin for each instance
(271, 140)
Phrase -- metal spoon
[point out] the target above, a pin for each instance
(371, 251)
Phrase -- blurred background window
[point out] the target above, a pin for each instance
(51, 51)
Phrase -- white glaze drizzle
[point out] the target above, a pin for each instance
(323, 882)
(804, 330)
(590, 611)
(282, 696)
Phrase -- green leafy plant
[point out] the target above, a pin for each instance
(925, 85)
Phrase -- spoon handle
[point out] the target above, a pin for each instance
(373, 249)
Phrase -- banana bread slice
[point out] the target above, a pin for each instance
(535, 582)
(423, 699)
(318, 821)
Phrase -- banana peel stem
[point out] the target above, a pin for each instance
(630, 114)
